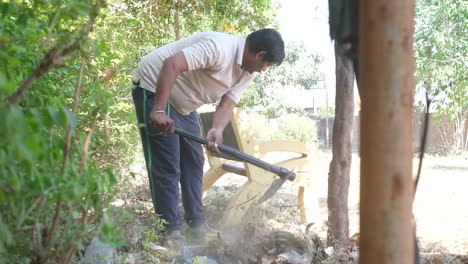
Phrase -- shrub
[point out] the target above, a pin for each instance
(296, 127)
(287, 127)
(51, 197)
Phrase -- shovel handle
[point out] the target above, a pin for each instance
(283, 173)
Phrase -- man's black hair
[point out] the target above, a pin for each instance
(268, 40)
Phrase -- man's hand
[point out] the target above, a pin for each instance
(215, 138)
(162, 122)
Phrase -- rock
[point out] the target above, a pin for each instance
(295, 258)
(134, 258)
(134, 232)
(160, 251)
(99, 253)
(156, 247)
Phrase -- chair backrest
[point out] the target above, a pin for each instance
(229, 137)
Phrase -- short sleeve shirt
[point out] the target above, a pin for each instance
(214, 69)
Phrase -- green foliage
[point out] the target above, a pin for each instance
(30, 29)
(152, 23)
(296, 127)
(153, 234)
(73, 127)
(240, 15)
(267, 103)
(50, 197)
(286, 127)
(441, 43)
(298, 70)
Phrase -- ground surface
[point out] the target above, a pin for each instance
(441, 205)
(440, 208)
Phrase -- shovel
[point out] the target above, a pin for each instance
(283, 173)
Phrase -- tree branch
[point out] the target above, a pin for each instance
(55, 57)
(84, 156)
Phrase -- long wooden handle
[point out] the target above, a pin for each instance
(280, 171)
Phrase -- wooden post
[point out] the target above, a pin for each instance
(386, 80)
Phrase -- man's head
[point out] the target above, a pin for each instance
(263, 48)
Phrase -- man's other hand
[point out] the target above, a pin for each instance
(215, 138)
(162, 122)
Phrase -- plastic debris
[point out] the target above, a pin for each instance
(329, 251)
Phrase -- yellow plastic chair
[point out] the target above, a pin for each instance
(240, 135)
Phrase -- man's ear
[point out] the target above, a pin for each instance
(259, 55)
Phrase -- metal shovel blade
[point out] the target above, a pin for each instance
(274, 187)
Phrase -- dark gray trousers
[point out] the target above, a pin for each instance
(170, 160)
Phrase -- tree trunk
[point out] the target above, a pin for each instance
(387, 81)
(338, 179)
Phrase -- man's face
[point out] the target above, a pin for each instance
(253, 62)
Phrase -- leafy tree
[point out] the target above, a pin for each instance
(441, 43)
(52, 195)
(159, 22)
(68, 117)
(286, 127)
(298, 70)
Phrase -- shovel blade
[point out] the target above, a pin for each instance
(274, 187)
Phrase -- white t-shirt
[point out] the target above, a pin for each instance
(214, 69)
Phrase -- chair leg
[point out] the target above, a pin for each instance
(300, 205)
(308, 204)
(210, 177)
(241, 202)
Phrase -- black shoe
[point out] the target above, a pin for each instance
(201, 234)
(173, 239)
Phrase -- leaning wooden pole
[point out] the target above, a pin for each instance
(386, 80)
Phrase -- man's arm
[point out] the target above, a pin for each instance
(221, 118)
(172, 67)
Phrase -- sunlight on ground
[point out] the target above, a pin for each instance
(440, 206)
(439, 209)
